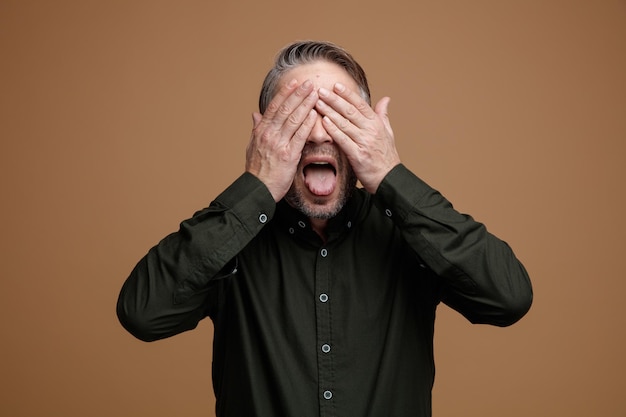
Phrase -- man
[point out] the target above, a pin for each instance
(322, 294)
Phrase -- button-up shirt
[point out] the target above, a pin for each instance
(335, 327)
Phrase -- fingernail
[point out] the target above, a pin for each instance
(306, 84)
(340, 87)
(292, 83)
(323, 92)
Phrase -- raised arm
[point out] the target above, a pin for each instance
(482, 278)
(168, 291)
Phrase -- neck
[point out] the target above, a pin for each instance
(319, 227)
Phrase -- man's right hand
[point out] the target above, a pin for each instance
(279, 135)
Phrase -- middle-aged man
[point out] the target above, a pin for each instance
(323, 294)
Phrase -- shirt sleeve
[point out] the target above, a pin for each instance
(167, 291)
(481, 276)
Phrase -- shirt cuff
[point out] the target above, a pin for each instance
(400, 192)
(249, 200)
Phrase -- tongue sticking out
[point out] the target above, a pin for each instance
(320, 179)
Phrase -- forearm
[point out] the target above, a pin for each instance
(482, 278)
(166, 293)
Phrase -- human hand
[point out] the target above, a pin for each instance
(279, 135)
(364, 134)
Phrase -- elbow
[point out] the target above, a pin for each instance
(513, 300)
(514, 308)
(154, 321)
(513, 305)
(136, 326)
(136, 321)
(500, 310)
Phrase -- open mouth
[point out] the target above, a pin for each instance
(320, 177)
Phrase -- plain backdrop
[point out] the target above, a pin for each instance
(120, 118)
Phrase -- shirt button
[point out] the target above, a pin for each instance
(349, 225)
(263, 218)
(291, 231)
(328, 395)
(324, 253)
(323, 298)
(302, 224)
(388, 212)
(325, 348)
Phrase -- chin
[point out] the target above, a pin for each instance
(314, 208)
(320, 207)
(324, 212)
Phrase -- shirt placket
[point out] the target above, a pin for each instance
(324, 333)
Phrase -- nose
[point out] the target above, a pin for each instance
(319, 134)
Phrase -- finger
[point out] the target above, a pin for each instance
(283, 105)
(338, 120)
(282, 94)
(382, 109)
(354, 103)
(256, 119)
(299, 115)
(301, 135)
(343, 140)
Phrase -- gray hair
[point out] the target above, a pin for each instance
(306, 52)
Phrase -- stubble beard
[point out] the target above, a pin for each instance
(316, 208)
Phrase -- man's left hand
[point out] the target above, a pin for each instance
(363, 133)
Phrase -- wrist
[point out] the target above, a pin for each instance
(277, 191)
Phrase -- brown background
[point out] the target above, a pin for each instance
(121, 118)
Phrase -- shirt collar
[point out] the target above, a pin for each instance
(297, 223)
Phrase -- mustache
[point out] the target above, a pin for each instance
(321, 150)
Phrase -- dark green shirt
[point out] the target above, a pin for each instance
(311, 328)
